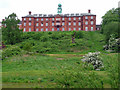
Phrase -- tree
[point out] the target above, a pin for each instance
(111, 16)
(10, 30)
(111, 23)
(111, 28)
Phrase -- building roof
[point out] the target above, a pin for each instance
(98, 26)
(51, 15)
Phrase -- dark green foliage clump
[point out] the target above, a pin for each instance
(10, 31)
(111, 23)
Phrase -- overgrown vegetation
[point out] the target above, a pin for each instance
(55, 42)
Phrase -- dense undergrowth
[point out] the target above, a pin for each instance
(56, 42)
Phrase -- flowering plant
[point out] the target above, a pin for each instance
(93, 59)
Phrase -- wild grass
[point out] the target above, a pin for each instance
(70, 72)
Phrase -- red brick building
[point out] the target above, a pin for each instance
(59, 22)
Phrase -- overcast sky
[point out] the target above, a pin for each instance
(21, 7)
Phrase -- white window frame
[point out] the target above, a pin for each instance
(52, 29)
(86, 28)
(37, 24)
(29, 23)
(37, 29)
(74, 29)
(24, 19)
(69, 23)
(74, 18)
(63, 23)
(29, 19)
(79, 23)
(63, 18)
(91, 17)
(41, 24)
(86, 22)
(46, 29)
(63, 29)
(69, 29)
(91, 22)
(91, 28)
(46, 19)
(79, 29)
(86, 17)
(69, 18)
(37, 19)
(29, 29)
(46, 24)
(52, 19)
(24, 24)
(52, 24)
(74, 23)
(41, 29)
(79, 18)
(41, 19)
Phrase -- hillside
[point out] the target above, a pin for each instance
(58, 42)
(51, 60)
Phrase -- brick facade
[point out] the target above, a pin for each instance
(59, 22)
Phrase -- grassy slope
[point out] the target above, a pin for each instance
(57, 71)
(62, 66)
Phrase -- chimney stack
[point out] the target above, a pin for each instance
(89, 11)
(29, 12)
(3, 19)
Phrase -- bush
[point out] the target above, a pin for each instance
(79, 35)
(93, 59)
(113, 44)
(11, 51)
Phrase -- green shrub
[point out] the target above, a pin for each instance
(11, 51)
(79, 35)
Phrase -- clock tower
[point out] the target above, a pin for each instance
(59, 9)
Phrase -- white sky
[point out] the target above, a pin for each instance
(21, 7)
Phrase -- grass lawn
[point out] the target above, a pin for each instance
(58, 71)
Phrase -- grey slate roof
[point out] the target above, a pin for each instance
(51, 15)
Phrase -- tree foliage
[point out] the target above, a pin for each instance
(110, 23)
(10, 31)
